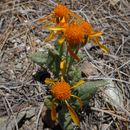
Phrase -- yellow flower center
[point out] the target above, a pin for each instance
(74, 34)
(61, 11)
(61, 90)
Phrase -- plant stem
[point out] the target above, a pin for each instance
(71, 60)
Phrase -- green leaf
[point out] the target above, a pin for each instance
(87, 90)
(51, 58)
(48, 102)
(39, 58)
(53, 62)
(65, 120)
(74, 75)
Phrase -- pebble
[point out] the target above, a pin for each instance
(38, 41)
(19, 66)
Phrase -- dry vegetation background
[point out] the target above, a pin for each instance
(21, 97)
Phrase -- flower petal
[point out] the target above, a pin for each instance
(78, 84)
(53, 110)
(56, 28)
(79, 100)
(104, 48)
(95, 34)
(73, 114)
(62, 64)
(63, 20)
(62, 68)
(49, 81)
(50, 36)
(61, 40)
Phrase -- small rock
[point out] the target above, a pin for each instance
(38, 41)
(19, 66)
(28, 48)
(14, 41)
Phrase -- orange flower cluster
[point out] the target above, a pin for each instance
(73, 28)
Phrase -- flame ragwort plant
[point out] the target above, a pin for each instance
(70, 32)
(62, 91)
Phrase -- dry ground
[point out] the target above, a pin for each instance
(110, 108)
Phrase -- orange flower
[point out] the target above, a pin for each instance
(92, 35)
(61, 11)
(62, 91)
(86, 27)
(74, 34)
